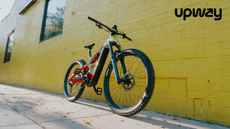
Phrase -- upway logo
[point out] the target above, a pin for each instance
(209, 12)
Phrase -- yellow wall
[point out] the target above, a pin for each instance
(191, 58)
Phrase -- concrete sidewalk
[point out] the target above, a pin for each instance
(24, 108)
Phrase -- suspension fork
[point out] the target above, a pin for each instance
(113, 56)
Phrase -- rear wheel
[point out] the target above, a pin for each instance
(73, 90)
(132, 95)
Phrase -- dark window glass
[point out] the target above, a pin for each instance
(53, 18)
(9, 48)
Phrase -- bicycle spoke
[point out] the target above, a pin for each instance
(139, 72)
(131, 99)
(137, 68)
(133, 63)
(120, 97)
(140, 86)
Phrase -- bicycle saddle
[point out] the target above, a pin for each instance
(89, 46)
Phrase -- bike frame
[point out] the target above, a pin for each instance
(107, 46)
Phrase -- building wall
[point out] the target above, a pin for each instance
(191, 58)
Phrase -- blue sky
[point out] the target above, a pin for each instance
(5, 7)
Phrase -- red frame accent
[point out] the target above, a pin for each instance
(91, 75)
(81, 80)
(84, 67)
(75, 80)
(94, 59)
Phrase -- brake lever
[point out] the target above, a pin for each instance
(124, 36)
(98, 25)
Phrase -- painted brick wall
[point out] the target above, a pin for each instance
(191, 58)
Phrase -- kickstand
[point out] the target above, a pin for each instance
(98, 90)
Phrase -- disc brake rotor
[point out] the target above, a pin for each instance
(130, 81)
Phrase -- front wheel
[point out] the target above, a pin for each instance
(73, 90)
(132, 95)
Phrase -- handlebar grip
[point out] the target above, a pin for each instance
(124, 36)
(90, 18)
(128, 38)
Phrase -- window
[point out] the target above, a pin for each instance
(9, 45)
(25, 5)
(53, 19)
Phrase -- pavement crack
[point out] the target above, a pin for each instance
(16, 125)
(22, 115)
(76, 118)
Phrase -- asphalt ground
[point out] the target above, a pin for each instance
(25, 108)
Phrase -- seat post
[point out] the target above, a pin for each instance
(89, 47)
(89, 54)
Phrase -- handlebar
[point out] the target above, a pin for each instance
(90, 18)
(113, 31)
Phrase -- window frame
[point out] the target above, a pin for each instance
(7, 45)
(44, 23)
(26, 5)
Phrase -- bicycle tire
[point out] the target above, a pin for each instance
(80, 86)
(124, 106)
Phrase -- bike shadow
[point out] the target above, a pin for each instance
(94, 104)
(153, 118)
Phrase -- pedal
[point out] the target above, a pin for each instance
(99, 91)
